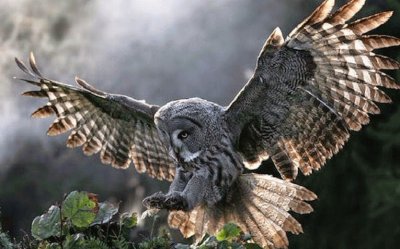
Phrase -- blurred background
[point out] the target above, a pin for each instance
(164, 50)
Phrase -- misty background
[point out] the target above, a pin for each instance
(164, 50)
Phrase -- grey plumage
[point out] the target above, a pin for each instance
(119, 127)
(310, 90)
(307, 92)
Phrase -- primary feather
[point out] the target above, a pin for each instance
(306, 94)
(120, 128)
(309, 91)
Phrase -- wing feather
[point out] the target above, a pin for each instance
(120, 128)
(308, 92)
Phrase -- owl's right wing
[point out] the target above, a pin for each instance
(122, 129)
(310, 90)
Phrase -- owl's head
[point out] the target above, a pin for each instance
(187, 127)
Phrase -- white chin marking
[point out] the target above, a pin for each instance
(187, 156)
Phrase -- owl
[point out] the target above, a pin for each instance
(307, 93)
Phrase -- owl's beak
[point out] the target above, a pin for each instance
(175, 153)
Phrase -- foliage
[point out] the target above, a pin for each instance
(5, 241)
(81, 221)
(80, 209)
(229, 237)
(359, 189)
(157, 242)
(47, 225)
(229, 233)
(128, 220)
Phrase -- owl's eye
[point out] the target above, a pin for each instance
(183, 135)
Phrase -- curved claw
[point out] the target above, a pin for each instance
(156, 201)
(176, 201)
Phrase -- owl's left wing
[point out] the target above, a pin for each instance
(309, 90)
(122, 129)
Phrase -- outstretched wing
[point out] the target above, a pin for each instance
(309, 90)
(120, 128)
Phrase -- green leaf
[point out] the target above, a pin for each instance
(79, 209)
(106, 211)
(229, 232)
(47, 225)
(128, 220)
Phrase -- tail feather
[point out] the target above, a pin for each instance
(268, 229)
(280, 217)
(185, 221)
(258, 204)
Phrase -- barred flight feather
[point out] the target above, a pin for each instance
(259, 204)
(335, 92)
(83, 111)
(307, 93)
(373, 42)
(346, 12)
(43, 112)
(369, 23)
(38, 94)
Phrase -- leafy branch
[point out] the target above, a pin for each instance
(81, 221)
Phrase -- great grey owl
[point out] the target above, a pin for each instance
(307, 92)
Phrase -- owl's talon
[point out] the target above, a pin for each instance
(176, 202)
(156, 200)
